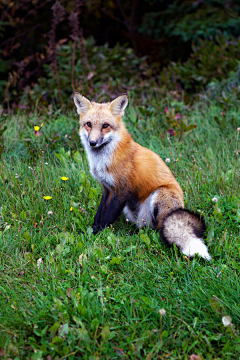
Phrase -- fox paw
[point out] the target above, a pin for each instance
(95, 229)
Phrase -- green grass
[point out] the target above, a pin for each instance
(98, 297)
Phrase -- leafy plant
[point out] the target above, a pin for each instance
(178, 123)
(228, 87)
(208, 61)
(108, 74)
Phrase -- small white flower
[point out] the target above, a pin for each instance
(39, 262)
(226, 320)
(46, 163)
(16, 176)
(214, 199)
(162, 312)
(238, 129)
(50, 212)
(167, 160)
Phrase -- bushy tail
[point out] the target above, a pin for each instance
(185, 229)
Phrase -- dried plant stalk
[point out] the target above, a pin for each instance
(58, 16)
(73, 22)
(82, 44)
(78, 33)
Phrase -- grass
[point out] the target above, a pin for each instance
(67, 294)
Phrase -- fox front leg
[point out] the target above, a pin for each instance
(112, 212)
(101, 210)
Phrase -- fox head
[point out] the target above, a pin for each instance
(100, 123)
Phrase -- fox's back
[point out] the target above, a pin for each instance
(136, 167)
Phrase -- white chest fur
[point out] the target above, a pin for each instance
(98, 167)
(100, 160)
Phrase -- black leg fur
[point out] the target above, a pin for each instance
(110, 214)
(101, 210)
(113, 211)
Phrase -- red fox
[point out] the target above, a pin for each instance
(135, 180)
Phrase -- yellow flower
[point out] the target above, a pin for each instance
(36, 128)
(64, 178)
(47, 197)
(41, 124)
(71, 208)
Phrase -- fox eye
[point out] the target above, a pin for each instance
(89, 124)
(105, 126)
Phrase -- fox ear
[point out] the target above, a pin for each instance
(82, 103)
(118, 105)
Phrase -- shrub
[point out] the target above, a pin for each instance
(191, 20)
(209, 60)
(230, 85)
(99, 72)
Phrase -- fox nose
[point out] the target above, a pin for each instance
(93, 143)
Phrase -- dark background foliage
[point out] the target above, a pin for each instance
(177, 45)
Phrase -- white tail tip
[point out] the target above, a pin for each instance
(196, 246)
